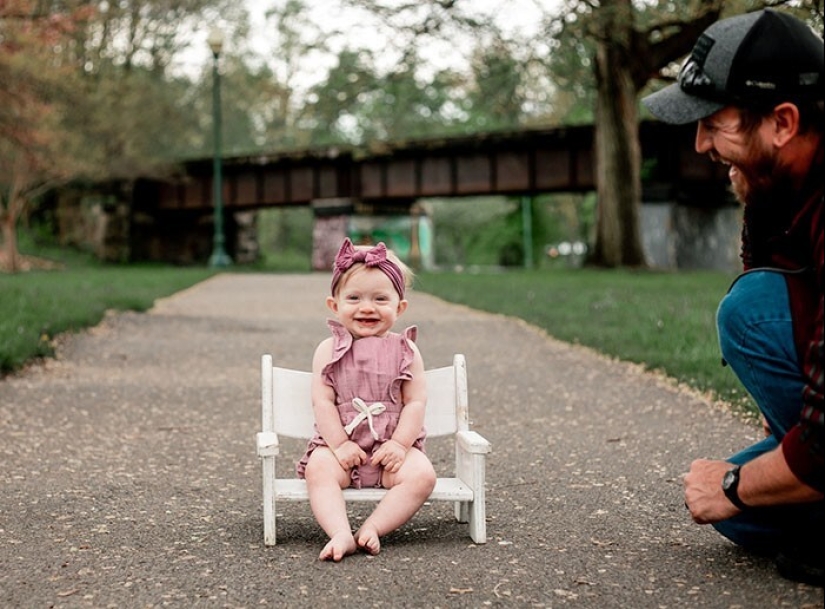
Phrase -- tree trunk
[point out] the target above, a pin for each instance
(9, 254)
(15, 206)
(618, 151)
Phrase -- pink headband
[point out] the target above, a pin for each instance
(375, 257)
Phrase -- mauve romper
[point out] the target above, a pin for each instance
(371, 369)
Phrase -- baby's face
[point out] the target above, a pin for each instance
(367, 303)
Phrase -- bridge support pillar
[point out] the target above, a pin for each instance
(329, 228)
(678, 236)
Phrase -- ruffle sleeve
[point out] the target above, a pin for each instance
(409, 335)
(341, 343)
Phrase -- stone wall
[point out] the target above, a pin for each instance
(329, 228)
(247, 246)
(175, 237)
(682, 237)
(97, 222)
(106, 224)
(327, 234)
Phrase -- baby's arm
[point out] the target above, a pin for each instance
(348, 453)
(414, 397)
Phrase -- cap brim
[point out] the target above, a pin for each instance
(672, 105)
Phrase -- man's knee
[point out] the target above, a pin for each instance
(728, 326)
(756, 304)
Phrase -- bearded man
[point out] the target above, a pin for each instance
(754, 83)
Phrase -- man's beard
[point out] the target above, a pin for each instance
(774, 197)
(760, 176)
(770, 201)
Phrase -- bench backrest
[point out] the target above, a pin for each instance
(290, 407)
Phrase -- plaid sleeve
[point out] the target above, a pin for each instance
(804, 445)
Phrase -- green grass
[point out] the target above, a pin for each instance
(664, 321)
(35, 306)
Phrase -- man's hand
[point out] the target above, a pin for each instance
(703, 492)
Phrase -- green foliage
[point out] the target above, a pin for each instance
(500, 243)
(285, 237)
(567, 57)
(357, 105)
(566, 217)
(488, 231)
(663, 321)
(496, 97)
(458, 222)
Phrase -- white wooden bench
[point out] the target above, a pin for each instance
(287, 411)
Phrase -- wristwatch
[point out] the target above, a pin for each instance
(730, 486)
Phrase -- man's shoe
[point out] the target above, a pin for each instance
(801, 565)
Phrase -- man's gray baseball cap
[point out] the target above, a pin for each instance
(751, 60)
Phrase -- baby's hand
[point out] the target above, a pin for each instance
(390, 456)
(349, 454)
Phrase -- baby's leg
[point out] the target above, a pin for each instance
(409, 488)
(325, 478)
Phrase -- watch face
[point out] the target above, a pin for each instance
(731, 479)
(728, 479)
(730, 482)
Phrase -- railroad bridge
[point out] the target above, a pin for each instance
(171, 218)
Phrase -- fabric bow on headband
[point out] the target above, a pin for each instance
(374, 257)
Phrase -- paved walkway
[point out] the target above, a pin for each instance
(129, 475)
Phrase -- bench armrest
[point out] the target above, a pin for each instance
(267, 444)
(472, 442)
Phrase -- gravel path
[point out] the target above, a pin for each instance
(130, 480)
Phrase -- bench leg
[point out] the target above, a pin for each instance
(462, 511)
(269, 501)
(478, 517)
(471, 468)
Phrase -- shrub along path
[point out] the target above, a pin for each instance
(130, 477)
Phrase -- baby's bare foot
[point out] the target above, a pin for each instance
(340, 545)
(367, 539)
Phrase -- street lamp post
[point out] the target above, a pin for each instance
(219, 256)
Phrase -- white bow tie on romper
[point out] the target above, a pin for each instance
(364, 412)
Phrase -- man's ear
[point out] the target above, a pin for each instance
(786, 123)
(402, 306)
(332, 304)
